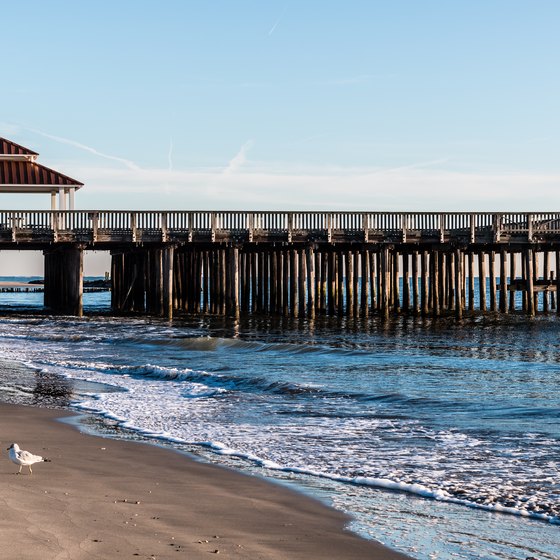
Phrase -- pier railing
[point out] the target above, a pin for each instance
(185, 226)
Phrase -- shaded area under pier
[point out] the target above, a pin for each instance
(357, 279)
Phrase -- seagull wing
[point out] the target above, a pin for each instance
(26, 457)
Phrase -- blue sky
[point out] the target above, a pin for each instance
(246, 104)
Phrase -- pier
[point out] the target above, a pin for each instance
(298, 264)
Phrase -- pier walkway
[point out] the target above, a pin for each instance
(298, 263)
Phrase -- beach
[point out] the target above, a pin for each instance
(102, 498)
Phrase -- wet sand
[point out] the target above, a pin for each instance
(103, 499)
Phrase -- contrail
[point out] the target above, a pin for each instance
(276, 23)
(239, 159)
(128, 163)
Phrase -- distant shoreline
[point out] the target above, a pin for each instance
(31, 285)
(38, 285)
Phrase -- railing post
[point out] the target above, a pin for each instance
(290, 226)
(54, 225)
(365, 227)
(329, 227)
(497, 226)
(441, 228)
(164, 232)
(14, 226)
(191, 220)
(473, 218)
(94, 216)
(213, 225)
(529, 227)
(250, 226)
(133, 226)
(403, 227)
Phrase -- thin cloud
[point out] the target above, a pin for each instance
(239, 159)
(418, 165)
(307, 139)
(272, 29)
(126, 162)
(170, 154)
(418, 187)
(10, 129)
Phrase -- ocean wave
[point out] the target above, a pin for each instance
(222, 381)
(460, 496)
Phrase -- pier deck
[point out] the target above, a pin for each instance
(298, 263)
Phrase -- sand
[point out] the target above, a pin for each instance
(100, 498)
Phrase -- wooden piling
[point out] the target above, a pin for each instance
(406, 282)
(64, 269)
(503, 281)
(458, 275)
(424, 282)
(529, 282)
(482, 280)
(512, 277)
(311, 282)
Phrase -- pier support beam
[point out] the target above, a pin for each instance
(128, 281)
(64, 280)
(529, 282)
(159, 285)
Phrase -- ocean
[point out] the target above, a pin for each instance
(440, 438)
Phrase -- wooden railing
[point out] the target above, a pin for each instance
(96, 225)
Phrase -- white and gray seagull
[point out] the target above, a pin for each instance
(24, 458)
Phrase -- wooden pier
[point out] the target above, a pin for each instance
(299, 264)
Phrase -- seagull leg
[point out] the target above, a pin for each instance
(20, 467)
(30, 471)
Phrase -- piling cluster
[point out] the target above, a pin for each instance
(302, 280)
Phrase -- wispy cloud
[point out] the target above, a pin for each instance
(9, 129)
(273, 28)
(237, 161)
(126, 162)
(307, 139)
(424, 186)
(417, 165)
(358, 79)
(170, 154)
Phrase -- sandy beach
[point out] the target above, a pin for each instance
(101, 498)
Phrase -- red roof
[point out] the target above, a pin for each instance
(32, 173)
(9, 147)
(23, 170)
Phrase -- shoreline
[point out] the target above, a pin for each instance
(120, 498)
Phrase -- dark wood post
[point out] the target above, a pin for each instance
(471, 280)
(458, 261)
(492, 271)
(311, 283)
(424, 287)
(64, 269)
(482, 279)
(406, 282)
(385, 281)
(349, 267)
(503, 281)
(512, 275)
(415, 281)
(529, 282)
(545, 278)
(365, 282)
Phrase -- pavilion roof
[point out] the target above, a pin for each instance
(19, 172)
(11, 148)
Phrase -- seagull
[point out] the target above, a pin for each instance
(24, 458)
